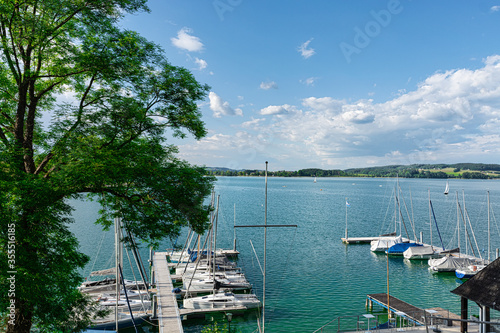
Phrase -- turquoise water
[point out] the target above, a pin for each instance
(312, 277)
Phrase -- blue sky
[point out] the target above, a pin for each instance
(336, 84)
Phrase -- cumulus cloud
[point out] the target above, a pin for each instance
(305, 51)
(277, 109)
(202, 64)
(323, 104)
(222, 108)
(187, 42)
(495, 8)
(452, 115)
(254, 123)
(268, 85)
(359, 117)
(309, 81)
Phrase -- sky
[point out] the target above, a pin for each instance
(336, 84)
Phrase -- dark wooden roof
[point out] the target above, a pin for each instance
(484, 287)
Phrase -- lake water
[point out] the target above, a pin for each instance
(312, 277)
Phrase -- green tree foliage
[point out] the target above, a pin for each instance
(85, 108)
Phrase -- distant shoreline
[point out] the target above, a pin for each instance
(426, 171)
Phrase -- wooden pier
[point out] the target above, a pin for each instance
(411, 312)
(169, 320)
(397, 306)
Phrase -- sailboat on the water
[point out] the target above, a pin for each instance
(119, 319)
(447, 188)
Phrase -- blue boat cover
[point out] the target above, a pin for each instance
(401, 247)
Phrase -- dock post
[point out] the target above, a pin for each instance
(369, 303)
(487, 317)
(155, 307)
(463, 315)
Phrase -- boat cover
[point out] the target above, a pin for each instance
(419, 251)
(449, 264)
(383, 243)
(401, 247)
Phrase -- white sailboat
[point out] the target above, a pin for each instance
(217, 300)
(384, 242)
(381, 244)
(450, 263)
(220, 283)
(222, 300)
(447, 188)
(120, 319)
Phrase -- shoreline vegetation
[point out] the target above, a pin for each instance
(458, 170)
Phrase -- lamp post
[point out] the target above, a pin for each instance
(229, 316)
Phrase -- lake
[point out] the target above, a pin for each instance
(312, 277)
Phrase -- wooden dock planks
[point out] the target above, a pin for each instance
(396, 305)
(169, 319)
(418, 315)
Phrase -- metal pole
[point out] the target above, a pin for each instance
(234, 229)
(489, 235)
(117, 263)
(265, 254)
(346, 220)
(388, 295)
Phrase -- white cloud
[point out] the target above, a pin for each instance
(268, 85)
(222, 108)
(495, 8)
(202, 64)
(359, 117)
(305, 51)
(323, 104)
(186, 41)
(254, 123)
(277, 109)
(451, 116)
(309, 81)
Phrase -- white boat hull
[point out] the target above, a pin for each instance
(222, 301)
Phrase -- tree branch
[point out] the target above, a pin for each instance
(51, 154)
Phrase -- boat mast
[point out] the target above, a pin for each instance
(489, 235)
(234, 228)
(465, 224)
(458, 226)
(346, 219)
(118, 261)
(430, 217)
(395, 211)
(215, 243)
(265, 254)
(265, 226)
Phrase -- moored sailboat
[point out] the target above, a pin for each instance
(222, 300)
(470, 271)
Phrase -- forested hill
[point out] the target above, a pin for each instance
(458, 170)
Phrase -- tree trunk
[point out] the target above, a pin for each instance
(23, 317)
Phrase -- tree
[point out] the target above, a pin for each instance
(84, 109)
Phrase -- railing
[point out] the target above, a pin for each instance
(374, 322)
(367, 322)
